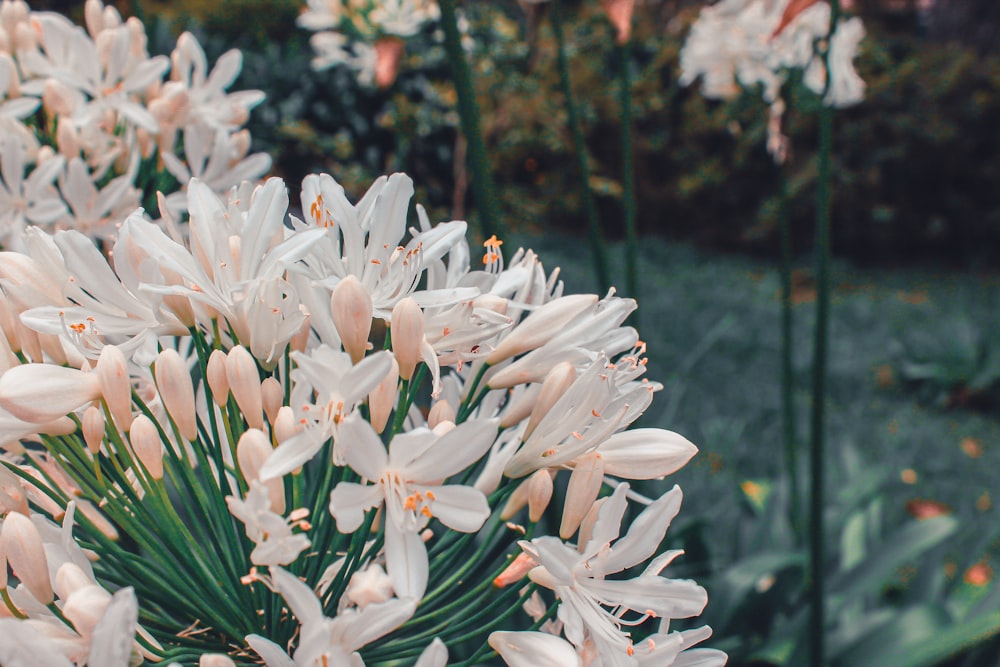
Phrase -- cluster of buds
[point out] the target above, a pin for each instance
(328, 441)
(366, 35)
(92, 125)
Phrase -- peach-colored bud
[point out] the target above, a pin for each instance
(515, 571)
(41, 393)
(407, 330)
(557, 382)
(25, 39)
(388, 53)
(440, 412)
(535, 492)
(540, 326)
(519, 408)
(85, 607)
(620, 14)
(382, 398)
(272, 396)
(351, 307)
(252, 451)
(93, 429)
(244, 382)
(26, 556)
(584, 485)
(587, 526)
(147, 445)
(173, 379)
(116, 387)
(284, 425)
(215, 660)
(218, 381)
(146, 143)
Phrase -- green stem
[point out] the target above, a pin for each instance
(787, 360)
(597, 244)
(468, 111)
(628, 177)
(817, 621)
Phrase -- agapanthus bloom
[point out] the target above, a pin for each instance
(308, 444)
(755, 43)
(88, 110)
(364, 34)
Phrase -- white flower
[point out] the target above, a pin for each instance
(97, 213)
(846, 87)
(272, 533)
(407, 480)
(578, 577)
(26, 200)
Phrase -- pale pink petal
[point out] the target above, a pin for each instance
(455, 451)
(646, 453)
(350, 501)
(644, 535)
(270, 653)
(40, 393)
(361, 448)
(534, 649)
(406, 561)
(435, 655)
(461, 508)
(300, 598)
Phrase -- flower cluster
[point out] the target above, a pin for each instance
(754, 43)
(92, 126)
(364, 34)
(307, 442)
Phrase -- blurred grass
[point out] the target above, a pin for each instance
(726, 399)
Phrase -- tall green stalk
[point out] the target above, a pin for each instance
(468, 112)
(817, 620)
(788, 430)
(628, 176)
(597, 244)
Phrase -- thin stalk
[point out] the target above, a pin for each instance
(468, 112)
(817, 620)
(788, 429)
(628, 177)
(597, 244)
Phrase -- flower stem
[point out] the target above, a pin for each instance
(628, 177)
(597, 243)
(787, 360)
(468, 111)
(817, 621)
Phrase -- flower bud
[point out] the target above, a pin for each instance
(26, 556)
(620, 14)
(12, 494)
(116, 387)
(85, 607)
(383, 397)
(584, 485)
(93, 429)
(41, 393)
(284, 425)
(407, 330)
(440, 412)
(173, 379)
(218, 382)
(252, 451)
(300, 340)
(272, 396)
(388, 53)
(540, 326)
(244, 382)
(69, 579)
(215, 660)
(557, 382)
(147, 445)
(351, 307)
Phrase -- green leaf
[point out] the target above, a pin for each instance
(917, 639)
(899, 548)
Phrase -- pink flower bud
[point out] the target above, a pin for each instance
(351, 307)
(284, 425)
(252, 451)
(620, 14)
(584, 485)
(147, 445)
(173, 379)
(40, 393)
(244, 382)
(382, 398)
(93, 429)
(218, 382)
(407, 331)
(116, 387)
(557, 382)
(26, 556)
(272, 396)
(388, 53)
(440, 412)
(215, 660)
